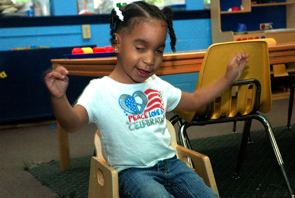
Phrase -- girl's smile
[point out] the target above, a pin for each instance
(142, 72)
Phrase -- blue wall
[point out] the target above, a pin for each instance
(191, 34)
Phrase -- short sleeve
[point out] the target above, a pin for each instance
(173, 95)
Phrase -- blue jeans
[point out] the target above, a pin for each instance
(168, 178)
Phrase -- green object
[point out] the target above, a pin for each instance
(118, 5)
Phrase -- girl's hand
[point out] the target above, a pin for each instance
(236, 66)
(57, 82)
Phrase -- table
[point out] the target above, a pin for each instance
(179, 63)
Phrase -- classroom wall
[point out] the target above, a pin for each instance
(191, 34)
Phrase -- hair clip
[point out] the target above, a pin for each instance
(119, 13)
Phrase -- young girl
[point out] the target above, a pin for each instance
(130, 104)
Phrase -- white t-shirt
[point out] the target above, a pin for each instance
(131, 119)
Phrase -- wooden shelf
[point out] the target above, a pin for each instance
(280, 35)
(235, 12)
(272, 4)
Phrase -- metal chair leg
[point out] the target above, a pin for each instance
(235, 127)
(250, 141)
(290, 109)
(244, 142)
(175, 119)
(184, 141)
(275, 147)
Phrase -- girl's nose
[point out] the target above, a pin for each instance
(149, 59)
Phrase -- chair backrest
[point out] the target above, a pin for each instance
(214, 67)
(270, 41)
(98, 147)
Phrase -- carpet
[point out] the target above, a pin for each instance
(260, 174)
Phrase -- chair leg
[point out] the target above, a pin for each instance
(250, 141)
(235, 130)
(244, 142)
(275, 147)
(175, 119)
(184, 141)
(290, 105)
(235, 127)
(183, 138)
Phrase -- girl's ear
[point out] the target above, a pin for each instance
(116, 43)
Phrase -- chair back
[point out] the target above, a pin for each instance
(237, 99)
(98, 147)
(270, 41)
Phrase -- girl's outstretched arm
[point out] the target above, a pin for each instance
(71, 119)
(199, 98)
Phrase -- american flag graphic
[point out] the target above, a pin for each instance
(154, 100)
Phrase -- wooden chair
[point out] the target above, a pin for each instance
(103, 182)
(241, 102)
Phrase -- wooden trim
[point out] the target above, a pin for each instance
(272, 4)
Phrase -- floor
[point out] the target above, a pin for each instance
(28, 146)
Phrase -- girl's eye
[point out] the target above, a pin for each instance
(140, 49)
(159, 51)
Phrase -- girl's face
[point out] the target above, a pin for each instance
(140, 52)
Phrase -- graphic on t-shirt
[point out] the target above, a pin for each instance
(143, 108)
(134, 104)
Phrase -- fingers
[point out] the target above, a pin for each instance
(59, 73)
(241, 57)
(57, 81)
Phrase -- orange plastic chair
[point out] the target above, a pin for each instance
(103, 181)
(241, 102)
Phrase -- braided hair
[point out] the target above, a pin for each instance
(137, 12)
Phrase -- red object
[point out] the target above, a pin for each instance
(238, 39)
(257, 37)
(108, 48)
(235, 9)
(263, 26)
(98, 50)
(77, 50)
(244, 39)
(250, 38)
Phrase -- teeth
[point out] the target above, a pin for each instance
(143, 71)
